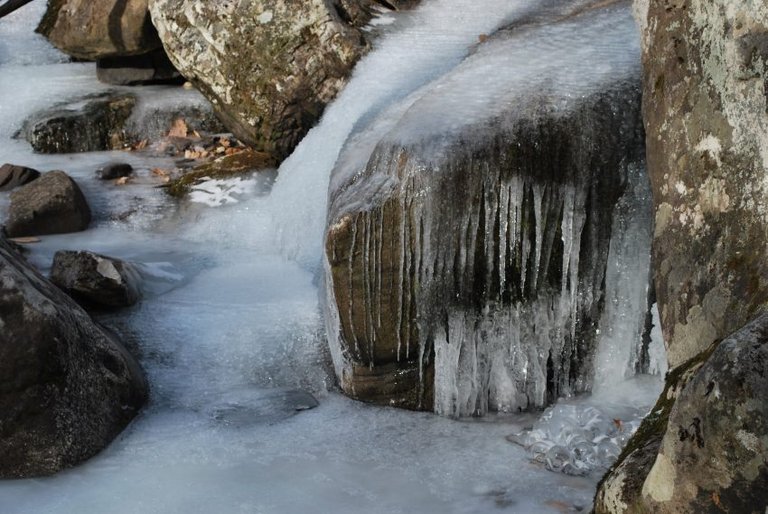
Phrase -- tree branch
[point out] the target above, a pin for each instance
(11, 5)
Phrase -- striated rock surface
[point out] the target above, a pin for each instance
(469, 228)
(95, 280)
(13, 176)
(91, 30)
(67, 387)
(268, 66)
(710, 430)
(52, 204)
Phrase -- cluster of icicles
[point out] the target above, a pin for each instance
(576, 440)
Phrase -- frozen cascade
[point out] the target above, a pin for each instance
(490, 214)
(432, 40)
(226, 319)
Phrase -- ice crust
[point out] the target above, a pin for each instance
(226, 319)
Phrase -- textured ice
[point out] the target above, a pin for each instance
(226, 320)
(424, 45)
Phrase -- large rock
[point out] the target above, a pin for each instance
(95, 280)
(91, 30)
(705, 109)
(268, 66)
(52, 204)
(96, 125)
(466, 251)
(706, 70)
(712, 442)
(114, 121)
(67, 387)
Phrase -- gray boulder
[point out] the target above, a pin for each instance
(95, 30)
(268, 66)
(112, 121)
(705, 103)
(52, 204)
(12, 176)
(97, 125)
(708, 436)
(95, 280)
(67, 387)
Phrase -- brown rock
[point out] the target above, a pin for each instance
(95, 280)
(89, 29)
(52, 204)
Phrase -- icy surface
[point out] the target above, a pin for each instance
(226, 320)
(429, 42)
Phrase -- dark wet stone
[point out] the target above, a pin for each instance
(95, 280)
(52, 204)
(115, 170)
(67, 387)
(269, 407)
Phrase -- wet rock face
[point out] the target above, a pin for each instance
(113, 121)
(98, 125)
(465, 268)
(713, 453)
(705, 111)
(706, 71)
(95, 30)
(12, 176)
(52, 204)
(268, 66)
(67, 387)
(95, 280)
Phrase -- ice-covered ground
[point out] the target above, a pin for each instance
(227, 319)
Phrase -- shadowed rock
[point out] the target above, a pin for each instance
(95, 280)
(52, 204)
(67, 387)
(12, 176)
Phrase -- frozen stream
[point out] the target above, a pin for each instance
(228, 324)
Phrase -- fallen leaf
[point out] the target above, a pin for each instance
(482, 38)
(24, 240)
(122, 181)
(160, 172)
(558, 505)
(619, 424)
(178, 128)
(141, 145)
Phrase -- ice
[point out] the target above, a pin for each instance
(429, 42)
(226, 321)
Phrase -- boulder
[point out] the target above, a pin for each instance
(268, 66)
(135, 70)
(705, 448)
(114, 170)
(469, 230)
(95, 280)
(114, 121)
(67, 387)
(12, 176)
(52, 204)
(96, 30)
(705, 105)
(97, 124)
